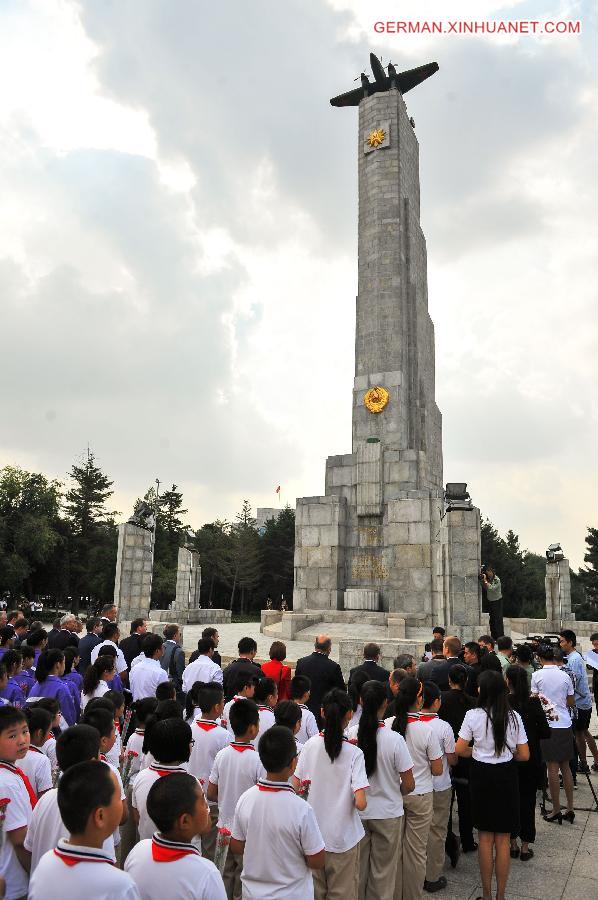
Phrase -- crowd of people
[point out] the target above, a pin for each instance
(249, 781)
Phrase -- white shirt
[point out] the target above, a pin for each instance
(332, 791)
(123, 796)
(102, 688)
(135, 743)
(226, 714)
(18, 815)
(309, 726)
(236, 769)
(113, 755)
(49, 748)
(46, 828)
(209, 739)
(385, 800)
(478, 727)
(267, 720)
(38, 769)
(141, 789)
(202, 669)
(446, 739)
(54, 880)
(271, 816)
(355, 719)
(189, 878)
(145, 678)
(556, 685)
(121, 665)
(423, 747)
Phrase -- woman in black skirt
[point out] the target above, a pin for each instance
(531, 773)
(499, 742)
(455, 703)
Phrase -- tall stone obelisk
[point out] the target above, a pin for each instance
(379, 540)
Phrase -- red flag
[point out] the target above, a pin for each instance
(278, 489)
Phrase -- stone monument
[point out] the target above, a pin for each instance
(188, 582)
(558, 590)
(383, 538)
(134, 564)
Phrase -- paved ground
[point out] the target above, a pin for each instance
(565, 865)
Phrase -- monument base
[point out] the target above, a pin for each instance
(192, 616)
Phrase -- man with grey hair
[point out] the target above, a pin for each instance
(323, 673)
(371, 658)
(66, 636)
(407, 662)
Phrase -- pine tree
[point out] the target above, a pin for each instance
(588, 577)
(247, 556)
(170, 530)
(278, 551)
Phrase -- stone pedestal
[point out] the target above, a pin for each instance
(134, 564)
(358, 598)
(558, 593)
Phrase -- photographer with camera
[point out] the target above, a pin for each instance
(583, 700)
(492, 591)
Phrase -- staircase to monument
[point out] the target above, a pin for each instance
(354, 625)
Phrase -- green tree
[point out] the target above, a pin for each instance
(521, 572)
(93, 535)
(278, 551)
(169, 535)
(215, 546)
(246, 556)
(584, 588)
(29, 507)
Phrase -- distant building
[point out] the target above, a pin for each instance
(263, 514)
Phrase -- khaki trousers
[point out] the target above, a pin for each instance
(339, 879)
(411, 862)
(437, 836)
(231, 876)
(208, 841)
(378, 851)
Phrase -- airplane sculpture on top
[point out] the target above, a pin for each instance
(402, 81)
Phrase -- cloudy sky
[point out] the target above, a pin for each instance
(178, 247)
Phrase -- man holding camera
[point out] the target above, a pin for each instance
(491, 587)
(583, 700)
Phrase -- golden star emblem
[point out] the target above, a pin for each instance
(376, 399)
(376, 137)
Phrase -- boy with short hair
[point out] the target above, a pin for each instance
(19, 798)
(90, 807)
(236, 769)
(79, 743)
(169, 743)
(272, 815)
(166, 691)
(244, 690)
(288, 715)
(168, 864)
(300, 693)
(209, 738)
(35, 764)
(103, 719)
(266, 697)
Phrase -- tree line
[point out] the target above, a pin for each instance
(60, 543)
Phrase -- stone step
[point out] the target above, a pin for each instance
(347, 630)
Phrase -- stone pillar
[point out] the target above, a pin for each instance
(558, 593)
(464, 542)
(134, 564)
(320, 539)
(188, 581)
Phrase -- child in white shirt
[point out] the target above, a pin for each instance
(244, 690)
(288, 714)
(236, 768)
(266, 697)
(435, 880)
(389, 770)
(169, 864)
(35, 764)
(271, 815)
(334, 772)
(19, 798)
(300, 693)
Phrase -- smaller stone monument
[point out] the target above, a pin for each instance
(188, 583)
(558, 588)
(134, 563)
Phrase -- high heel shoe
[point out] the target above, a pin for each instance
(557, 817)
(569, 816)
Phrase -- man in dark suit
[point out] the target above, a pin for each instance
(53, 633)
(66, 637)
(323, 673)
(131, 646)
(87, 643)
(369, 666)
(471, 657)
(244, 664)
(439, 674)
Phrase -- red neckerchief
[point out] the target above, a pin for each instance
(36, 749)
(72, 856)
(381, 725)
(161, 772)
(239, 747)
(103, 758)
(273, 787)
(206, 724)
(427, 717)
(117, 725)
(412, 717)
(264, 708)
(169, 851)
(16, 771)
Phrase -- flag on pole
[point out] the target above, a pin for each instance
(278, 492)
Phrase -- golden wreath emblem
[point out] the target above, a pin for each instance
(376, 137)
(376, 399)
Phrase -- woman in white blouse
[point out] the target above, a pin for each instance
(499, 741)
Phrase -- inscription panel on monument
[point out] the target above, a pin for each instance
(367, 567)
(370, 536)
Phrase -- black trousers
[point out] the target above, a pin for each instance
(497, 628)
(527, 806)
(464, 806)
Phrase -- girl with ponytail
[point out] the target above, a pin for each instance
(426, 754)
(455, 703)
(49, 683)
(333, 771)
(499, 741)
(389, 769)
(97, 679)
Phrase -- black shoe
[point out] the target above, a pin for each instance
(569, 816)
(514, 852)
(557, 817)
(583, 768)
(470, 849)
(526, 854)
(451, 847)
(432, 886)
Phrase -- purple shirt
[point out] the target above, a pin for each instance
(13, 693)
(54, 686)
(25, 680)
